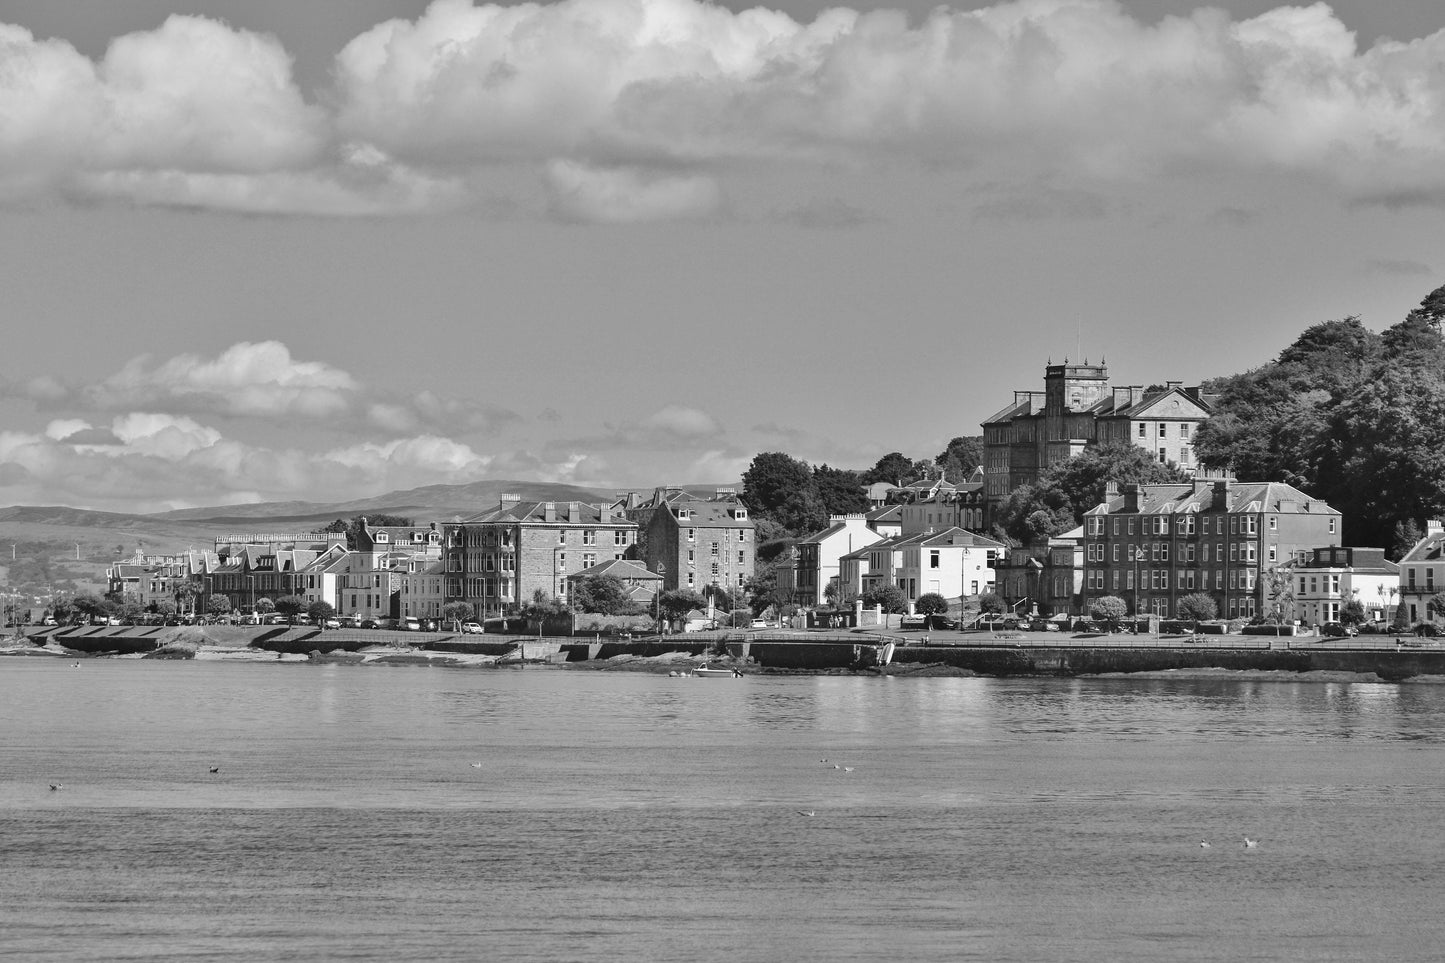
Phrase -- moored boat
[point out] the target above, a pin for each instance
(712, 672)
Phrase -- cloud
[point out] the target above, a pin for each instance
(681, 421)
(634, 110)
(826, 215)
(63, 428)
(578, 192)
(1398, 267)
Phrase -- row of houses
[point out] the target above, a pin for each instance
(496, 560)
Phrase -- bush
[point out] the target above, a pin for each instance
(931, 603)
(1108, 608)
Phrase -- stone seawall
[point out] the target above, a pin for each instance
(1007, 660)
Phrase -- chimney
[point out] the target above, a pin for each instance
(1435, 526)
(574, 512)
(1111, 489)
(604, 513)
(549, 511)
(509, 499)
(1171, 385)
(1221, 495)
(1131, 497)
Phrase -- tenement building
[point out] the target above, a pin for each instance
(499, 559)
(1151, 545)
(1078, 408)
(1422, 573)
(694, 542)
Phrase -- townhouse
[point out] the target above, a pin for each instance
(1422, 574)
(1328, 579)
(953, 563)
(817, 558)
(694, 542)
(1047, 577)
(1151, 545)
(498, 559)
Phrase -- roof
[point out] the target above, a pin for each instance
(534, 513)
(948, 538)
(1198, 496)
(619, 568)
(1024, 406)
(1431, 548)
(888, 513)
(710, 513)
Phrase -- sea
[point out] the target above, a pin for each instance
(550, 814)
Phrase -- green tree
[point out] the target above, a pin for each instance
(185, 595)
(840, 490)
(887, 595)
(961, 457)
(895, 468)
(1197, 607)
(838, 595)
(676, 603)
(1436, 605)
(1352, 613)
(352, 527)
(603, 594)
(1108, 608)
(991, 604)
(218, 604)
(265, 606)
(320, 611)
(931, 603)
(780, 488)
(164, 607)
(290, 606)
(720, 597)
(1057, 502)
(458, 612)
(89, 606)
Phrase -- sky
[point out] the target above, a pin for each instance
(257, 250)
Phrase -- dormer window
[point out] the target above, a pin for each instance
(382, 537)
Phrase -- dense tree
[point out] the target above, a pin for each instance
(930, 603)
(1405, 536)
(290, 606)
(840, 490)
(961, 457)
(218, 604)
(676, 603)
(1108, 608)
(1436, 605)
(991, 604)
(889, 596)
(838, 595)
(352, 527)
(90, 606)
(164, 607)
(542, 607)
(458, 612)
(895, 468)
(185, 595)
(720, 598)
(320, 611)
(602, 594)
(780, 488)
(1197, 607)
(1352, 612)
(1058, 500)
(265, 606)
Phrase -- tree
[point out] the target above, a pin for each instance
(1108, 608)
(1058, 500)
(218, 604)
(841, 491)
(164, 607)
(352, 528)
(541, 608)
(895, 468)
(889, 596)
(456, 613)
(290, 606)
(1352, 612)
(1405, 536)
(961, 457)
(1197, 607)
(991, 604)
(1436, 605)
(771, 478)
(838, 595)
(320, 611)
(603, 594)
(265, 606)
(676, 603)
(89, 606)
(931, 603)
(720, 597)
(185, 595)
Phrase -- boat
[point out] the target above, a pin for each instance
(711, 672)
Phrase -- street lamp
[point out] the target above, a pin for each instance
(657, 598)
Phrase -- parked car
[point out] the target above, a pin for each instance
(370, 624)
(471, 628)
(428, 625)
(940, 621)
(331, 624)
(913, 622)
(1338, 630)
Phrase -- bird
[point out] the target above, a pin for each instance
(1204, 844)
(476, 765)
(55, 786)
(1251, 843)
(822, 760)
(848, 768)
(75, 665)
(215, 769)
(807, 812)
(836, 766)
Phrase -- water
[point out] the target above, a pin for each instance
(633, 816)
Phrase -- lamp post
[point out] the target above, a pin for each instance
(657, 598)
(251, 584)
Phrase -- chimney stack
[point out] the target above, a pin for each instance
(549, 511)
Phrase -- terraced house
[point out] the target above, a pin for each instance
(1422, 574)
(1151, 545)
(497, 559)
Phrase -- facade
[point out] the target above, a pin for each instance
(421, 583)
(1047, 578)
(498, 559)
(255, 572)
(1422, 573)
(149, 579)
(1078, 408)
(1151, 545)
(952, 563)
(817, 558)
(1328, 579)
(694, 542)
(886, 520)
(957, 506)
(642, 586)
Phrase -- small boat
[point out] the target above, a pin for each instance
(710, 672)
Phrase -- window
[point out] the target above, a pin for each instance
(740, 557)
(1332, 526)
(1143, 430)
(714, 549)
(1184, 430)
(1190, 579)
(691, 556)
(1116, 526)
(1131, 524)
(1116, 551)
(589, 559)
(1272, 553)
(1164, 552)
(692, 534)
(589, 536)
(561, 561)
(1129, 579)
(1274, 523)
(561, 536)
(933, 558)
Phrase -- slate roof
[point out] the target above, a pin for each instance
(1431, 548)
(534, 513)
(1244, 498)
(620, 568)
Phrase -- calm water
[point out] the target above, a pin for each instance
(630, 816)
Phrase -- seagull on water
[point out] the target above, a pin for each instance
(1251, 843)
(848, 768)
(807, 812)
(476, 765)
(1204, 844)
(215, 769)
(55, 786)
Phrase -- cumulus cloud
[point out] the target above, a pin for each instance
(632, 110)
(1402, 267)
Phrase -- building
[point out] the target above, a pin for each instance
(886, 520)
(641, 585)
(694, 542)
(1079, 408)
(1422, 573)
(151, 579)
(1151, 545)
(497, 560)
(1327, 579)
(246, 574)
(952, 563)
(1047, 578)
(817, 557)
(950, 506)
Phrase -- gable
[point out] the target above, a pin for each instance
(1171, 404)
